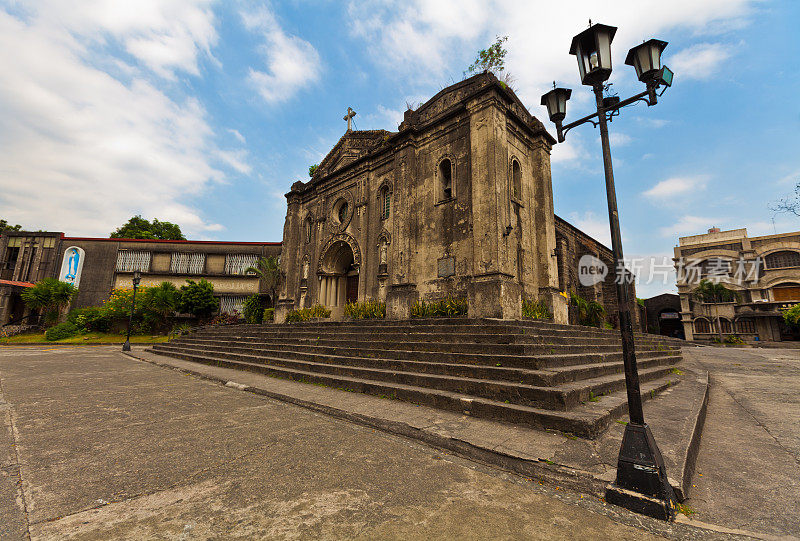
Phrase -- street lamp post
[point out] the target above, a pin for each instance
(137, 277)
(641, 483)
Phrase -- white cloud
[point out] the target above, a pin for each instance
(593, 225)
(655, 274)
(700, 61)
(236, 159)
(80, 150)
(690, 225)
(164, 35)
(291, 62)
(239, 137)
(418, 40)
(617, 139)
(676, 186)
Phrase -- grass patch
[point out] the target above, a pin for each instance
(685, 509)
(90, 338)
(620, 421)
(677, 371)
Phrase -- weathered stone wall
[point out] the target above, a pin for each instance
(571, 245)
(481, 242)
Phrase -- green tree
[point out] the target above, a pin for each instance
(139, 228)
(197, 298)
(269, 270)
(312, 169)
(49, 295)
(5, 226)
(492, 59)
(590, 313)
(792, 315)
(714, 293)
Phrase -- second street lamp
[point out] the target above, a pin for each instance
(137, 277)
(641, 483)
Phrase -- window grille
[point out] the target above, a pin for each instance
(701, 326)
(779, 260)
(238, 263)
(746, 325)
(230, 303)
(187, 263)
(725, 325)
(386, 199)
(130, 261)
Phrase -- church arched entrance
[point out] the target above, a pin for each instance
(338, 277)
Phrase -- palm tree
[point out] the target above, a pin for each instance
(49, 295)
(162, 299)
(714, 293)
(269, 270)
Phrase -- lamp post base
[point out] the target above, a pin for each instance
(126, 346)
(642, 485)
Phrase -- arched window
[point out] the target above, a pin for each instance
(342, 214)
(444, 174)
(385, 202)
(715, 267)
(516, 180)
(746, 325)
(783, 259)
(725, 325)
(701, 326)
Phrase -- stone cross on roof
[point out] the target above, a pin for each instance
(349, 117)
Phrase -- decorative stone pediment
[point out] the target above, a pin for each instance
(352, 146)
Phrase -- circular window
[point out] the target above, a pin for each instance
(342, 213)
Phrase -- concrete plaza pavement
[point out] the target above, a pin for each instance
(96, 445)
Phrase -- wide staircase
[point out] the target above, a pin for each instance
(532, 373)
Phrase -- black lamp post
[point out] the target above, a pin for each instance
(137, 277)
(641, 483)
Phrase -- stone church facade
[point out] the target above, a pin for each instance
(457, 202)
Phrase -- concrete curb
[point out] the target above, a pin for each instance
(39, 344)
(694, 445)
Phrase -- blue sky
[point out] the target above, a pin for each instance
(204, 113)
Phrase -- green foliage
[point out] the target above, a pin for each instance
(269, 271)
(369, 309)
(312, 169)
(253, 309)
(48, 295)
(491, 59)
(536, 310)
(139, 228)
(5, 226)
(792, 315)
(447, 307)
(714, 292)
(306, 314)
(640, 302)
(60, 331)
(269, 315)
(734, 339)
(590, 313)
(159, 303)
(90, 319)
(197, 298)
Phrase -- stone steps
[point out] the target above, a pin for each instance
(533, 373)
(552, 390)
(587, 419)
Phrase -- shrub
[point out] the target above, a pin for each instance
(269, 315)
(734, 339)
(49, 295)
(253, 309)
(60, 331)
(92, 318)
(590, 313)
(369, 309)
(536, 310)
(226, 318)
(159, 303)
(306, 314)
(447, 307)
(792, 316)
(197, 298)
